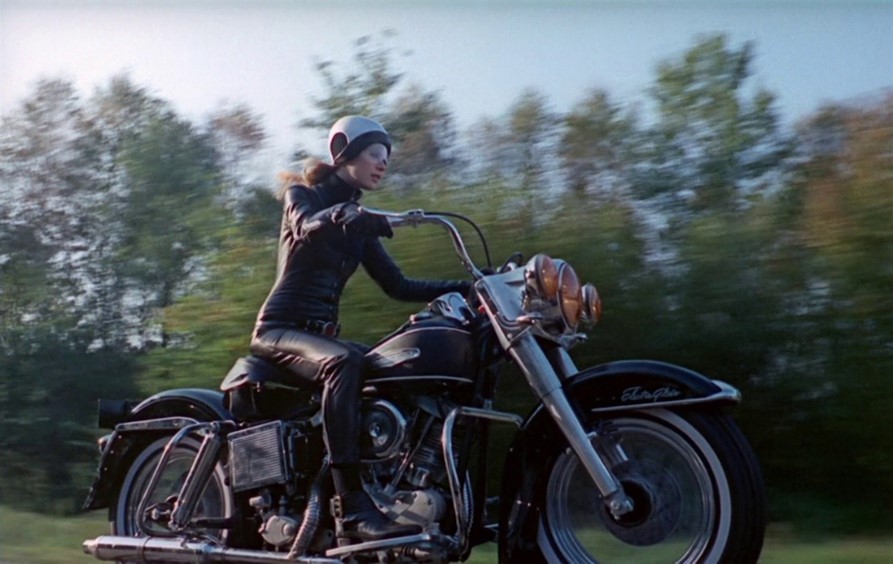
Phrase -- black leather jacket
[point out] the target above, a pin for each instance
(317, 255)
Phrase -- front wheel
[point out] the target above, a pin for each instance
(216, 500)
(695, 484)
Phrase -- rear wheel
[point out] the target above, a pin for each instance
(695, 484)
(216, 500)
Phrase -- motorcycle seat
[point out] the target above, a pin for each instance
(257, 370)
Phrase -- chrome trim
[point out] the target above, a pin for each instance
(504, 291)
(463, 516)
(452, 306)
(197, 479)
(546, 384)
(408, 379)
(726, 393)
(414, 330)
(154, 549)
(390, 359)
(397, 442)
(159, 469)
(159, 424)
(565, 364)
(400, 542)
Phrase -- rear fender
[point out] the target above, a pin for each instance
(600, 390)
(161, 414)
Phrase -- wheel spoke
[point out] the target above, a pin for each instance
(214, 501)
(673, 492)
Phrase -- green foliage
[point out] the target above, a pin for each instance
(596, 145)
(47, 403)
(172, 177)
(713, 144)
(211, 327)
(361, 88)
(418, 121)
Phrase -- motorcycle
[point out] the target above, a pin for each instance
(625, 461)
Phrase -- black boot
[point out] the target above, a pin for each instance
(358, 519)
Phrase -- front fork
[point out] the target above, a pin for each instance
(546, 384)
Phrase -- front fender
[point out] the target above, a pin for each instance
(119, 447)
(603, 389)
(643, 384)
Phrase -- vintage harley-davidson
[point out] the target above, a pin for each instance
(629, 461)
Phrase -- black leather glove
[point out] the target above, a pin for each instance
(351, 216)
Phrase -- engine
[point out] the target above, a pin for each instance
(405, 463)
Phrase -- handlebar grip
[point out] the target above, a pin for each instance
(411, 218)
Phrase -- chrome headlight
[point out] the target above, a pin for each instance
(554, 291)
(541, 274)
(570, 296)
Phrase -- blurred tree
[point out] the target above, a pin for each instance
(712, 145)
(846, 192)
(47, 427)
(419, 123)
(60, 287)
(361, 89)
(707, 168)
(115, 115)
(527, 151)
(210, 327)
(26, 292)
(170, 220)
(480, 141)
(44, 170)
(424, 136)
(595, 145)
(518, 153)
(238, 135)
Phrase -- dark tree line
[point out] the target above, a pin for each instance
(135, 249)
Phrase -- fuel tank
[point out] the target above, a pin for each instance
(428, 351)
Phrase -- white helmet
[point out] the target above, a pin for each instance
(351, 134)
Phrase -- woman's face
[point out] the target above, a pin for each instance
(367, 169)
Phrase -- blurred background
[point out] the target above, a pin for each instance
(722, 171)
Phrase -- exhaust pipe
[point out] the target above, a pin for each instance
(153, 549)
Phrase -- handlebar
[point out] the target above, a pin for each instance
(414, 218)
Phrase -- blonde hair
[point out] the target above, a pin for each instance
(313, 172)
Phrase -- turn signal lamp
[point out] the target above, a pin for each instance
(592, 304)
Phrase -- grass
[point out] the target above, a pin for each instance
(27, 538)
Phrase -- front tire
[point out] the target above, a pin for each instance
(216, 500)
(695, 483)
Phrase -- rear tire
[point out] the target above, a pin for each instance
(695, 483)
(216, 499)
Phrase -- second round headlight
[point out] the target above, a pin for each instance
(570, 296)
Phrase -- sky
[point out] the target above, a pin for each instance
(478, 55)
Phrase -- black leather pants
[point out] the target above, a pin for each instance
(334, 365)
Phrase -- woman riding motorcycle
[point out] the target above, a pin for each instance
(324, 237)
